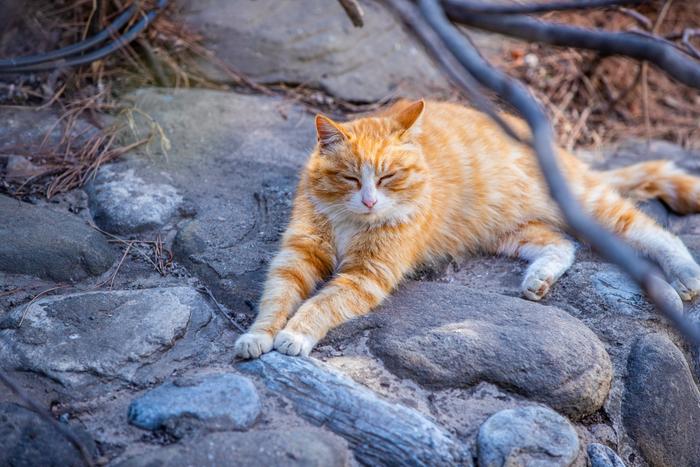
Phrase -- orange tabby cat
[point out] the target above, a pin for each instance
(420, 181)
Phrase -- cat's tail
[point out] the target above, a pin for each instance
(658, 179)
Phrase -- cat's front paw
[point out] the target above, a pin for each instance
(294, 343)
(685, 278)
(536, 285)
(253, 344)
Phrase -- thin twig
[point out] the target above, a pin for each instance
(637, 16)
(687, 34)
(34, 299)
(354, 12)
(205, 289)
(113, 276)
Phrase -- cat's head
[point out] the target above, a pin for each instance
(370, 170)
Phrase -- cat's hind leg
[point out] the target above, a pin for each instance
(549, 252)
(646, 236)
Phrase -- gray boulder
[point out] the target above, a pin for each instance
(661, 405)
(379, 432)
(237, 168)
(294, 447)
(603, 456)
(222, 401)
(312, 42)
(29, 440)
(445, 335)
(111, 334)
(527, 436)
(49, 244)
(122, 202)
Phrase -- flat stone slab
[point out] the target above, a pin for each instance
(661, 404)
(527, 436)
(50, 244)
(223, 401)
(445, 335)
(28, 440)
(122, 202)
(294, 447)
(379, 432)
(106, 333)
(312, 42)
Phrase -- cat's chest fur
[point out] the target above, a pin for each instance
(343, 235)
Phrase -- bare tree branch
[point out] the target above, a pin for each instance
(470, 6)
(354, 12)
(687, 34)
(514, 92)
(665, 55)
(451, 66)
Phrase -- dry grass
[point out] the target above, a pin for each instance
(596, 100)
(87, 93)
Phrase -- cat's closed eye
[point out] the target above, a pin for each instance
(351, 179)
(385, 178)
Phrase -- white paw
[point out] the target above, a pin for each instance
(253, 344)
(294, 343)
(536, 284)
(685, 278)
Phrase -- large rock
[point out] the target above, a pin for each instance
(49, 244)
(123, 202)
(28, 439)
(527, 436)
(661, 406)
(380, 433)
(295, 447)
(111, 334)
(444, 335)
(237, 167)
(222, 401)
(312, 42)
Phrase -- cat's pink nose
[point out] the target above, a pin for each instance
(369, 202)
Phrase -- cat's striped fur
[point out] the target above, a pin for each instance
(417, 182)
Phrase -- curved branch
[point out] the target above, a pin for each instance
(447, 61)
(661, 53)
(491, 8)
(606, 243)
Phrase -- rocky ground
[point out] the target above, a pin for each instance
(135, 357)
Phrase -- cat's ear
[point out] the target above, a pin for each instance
(409, 117)
(328, 133)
